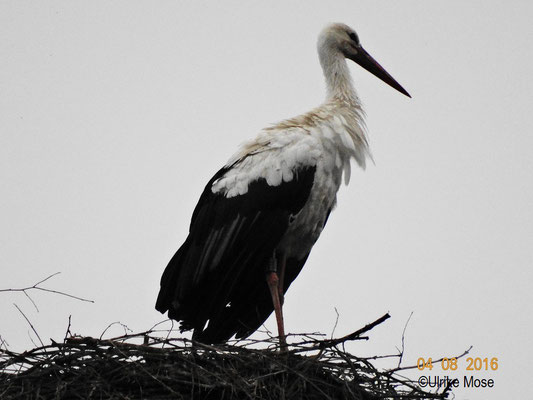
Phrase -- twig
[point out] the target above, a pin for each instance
(32, 327)
(3, 343)
(161, 323)
(354, 335)
(31, 338)
(68, 332)
(48, 277)
(37, 287)
(125, 327)
(403, 339)
(32, 302)
(171, 328)
(336, 322)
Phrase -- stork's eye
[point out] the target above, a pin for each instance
(354, 37)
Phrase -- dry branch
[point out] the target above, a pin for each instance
(39, 288)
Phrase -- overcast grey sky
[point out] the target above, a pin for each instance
(113, 116)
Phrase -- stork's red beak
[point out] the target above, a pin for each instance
(366, 61)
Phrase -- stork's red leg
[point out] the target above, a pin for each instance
(282, 262)
(273, 284)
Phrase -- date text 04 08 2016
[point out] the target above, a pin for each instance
(472, 364)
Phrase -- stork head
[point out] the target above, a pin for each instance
(340, 40)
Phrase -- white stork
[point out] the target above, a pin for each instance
(260, 215)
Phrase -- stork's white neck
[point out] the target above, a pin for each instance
(338, 80)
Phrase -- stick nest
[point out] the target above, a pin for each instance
(145, 366)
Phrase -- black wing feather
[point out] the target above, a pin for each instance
(218, 274)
